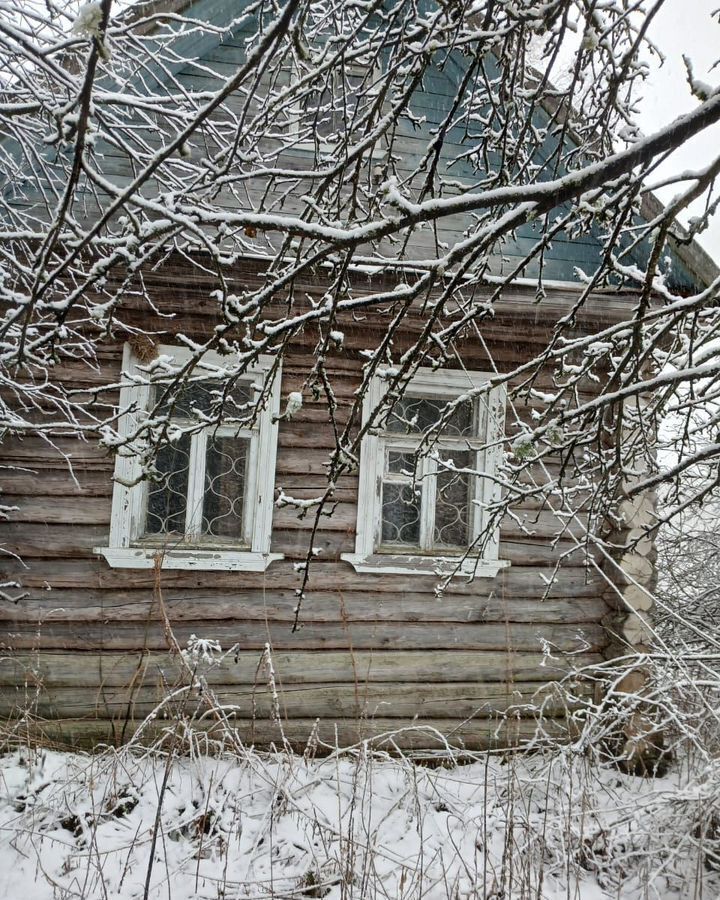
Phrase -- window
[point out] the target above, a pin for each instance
(332, 108)
(331, 112)
(208, 501)
(423, 507)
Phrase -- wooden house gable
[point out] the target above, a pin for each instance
(209, 48)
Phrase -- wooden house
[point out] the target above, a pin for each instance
(116, 573)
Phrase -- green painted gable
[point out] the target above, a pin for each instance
(204, 58)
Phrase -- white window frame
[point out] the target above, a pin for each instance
(370, 555)
(296, 115)
(127, 548)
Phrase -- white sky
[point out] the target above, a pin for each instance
(684, 27)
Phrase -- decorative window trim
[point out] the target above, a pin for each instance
(367, 556)
(126, 548)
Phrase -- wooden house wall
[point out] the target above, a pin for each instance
(86, 649)
(87, 646)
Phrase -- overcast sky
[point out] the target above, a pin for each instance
(684, 27)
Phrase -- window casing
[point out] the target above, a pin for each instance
(425, 509)
(330, 111)
(210, 502)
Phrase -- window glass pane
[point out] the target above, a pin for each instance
(225, 480)
(419, 414)
(317, 111)
(167, 497)
(400, 463)
(332, 109)
(280, 115)
(199, 397)
(400, 514)
(452, 501)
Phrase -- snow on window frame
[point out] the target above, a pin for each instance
(370, 554)
(128, 547)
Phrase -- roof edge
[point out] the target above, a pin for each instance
(145, 8)
(689, 251)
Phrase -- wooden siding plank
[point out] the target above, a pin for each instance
(437, 734)
(95, 575)
(341, 516)
(350, 606)
(51, 669)
(406, 701)
(51, 634)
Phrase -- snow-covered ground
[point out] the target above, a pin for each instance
(127, 824)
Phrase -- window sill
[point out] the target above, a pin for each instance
(392, 564)
(202, 560)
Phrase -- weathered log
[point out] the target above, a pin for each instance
(351, 606)
(389, 734)
(406, 701)
(50, 634)
(57, 668)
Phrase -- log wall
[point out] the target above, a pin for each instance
(88, 648)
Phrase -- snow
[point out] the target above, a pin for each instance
(358, 823)
(293, 404)
(89, 20)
